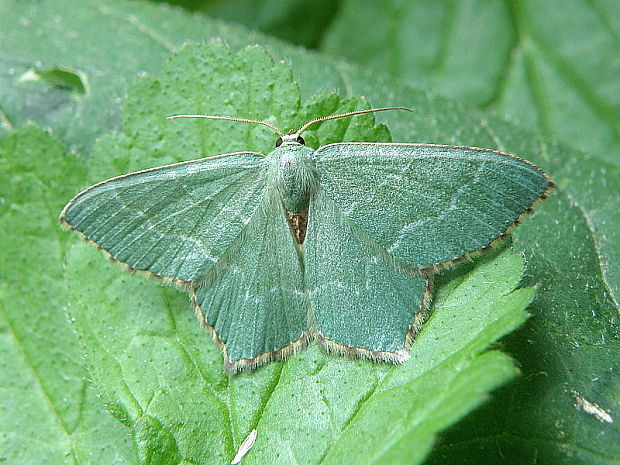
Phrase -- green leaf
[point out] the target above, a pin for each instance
(49, 412)
(552, 65)
(84, 37)
(299, 22)
(137, 37)
(571, 243)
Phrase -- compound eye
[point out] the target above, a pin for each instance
(300, 140)
(278, 142)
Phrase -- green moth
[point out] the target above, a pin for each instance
(336, 244)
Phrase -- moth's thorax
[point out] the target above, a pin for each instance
(292, 172)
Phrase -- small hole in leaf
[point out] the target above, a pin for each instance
(64, 78)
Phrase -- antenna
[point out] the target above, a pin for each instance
(230, 118)
(345, 115)
(301, 129)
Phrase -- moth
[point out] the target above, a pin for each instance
(336, 245)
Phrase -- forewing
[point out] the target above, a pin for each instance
(362, 303)
(174, 221)
(254, 299)
(428, 204)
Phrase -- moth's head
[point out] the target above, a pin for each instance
(292, 138)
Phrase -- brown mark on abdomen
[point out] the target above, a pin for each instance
(298, 223)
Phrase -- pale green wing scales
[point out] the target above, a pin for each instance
(254, 299)
(174, 221)
(428, 204)
(362, 302)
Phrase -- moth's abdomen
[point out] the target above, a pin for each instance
(292, 172)
(293, 175)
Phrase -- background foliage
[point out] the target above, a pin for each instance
(550, 65)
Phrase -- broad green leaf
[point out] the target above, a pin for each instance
(571, 244)
(105, 44)
(49, 412)
(553, 65)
